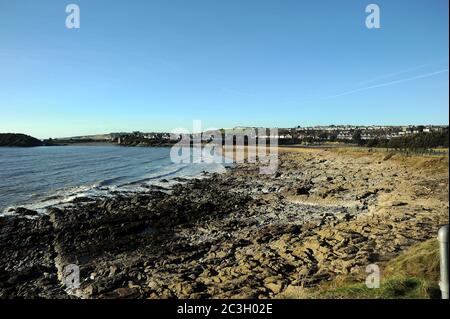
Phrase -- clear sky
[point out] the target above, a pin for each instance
(155, 65)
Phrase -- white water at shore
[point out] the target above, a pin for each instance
(37, 178)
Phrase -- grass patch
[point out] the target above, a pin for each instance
(390, 288)
(412, 275)
(420, 261)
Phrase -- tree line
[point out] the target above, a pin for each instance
(409, 142)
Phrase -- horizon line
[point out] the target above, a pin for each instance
(237, 126)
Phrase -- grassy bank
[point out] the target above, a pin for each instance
(412, 275)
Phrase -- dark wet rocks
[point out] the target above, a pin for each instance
(303, 190)
(27, 267)
(240, 234)
(24, 212)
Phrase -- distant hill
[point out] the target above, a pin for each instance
(19, 140)
(97, 137)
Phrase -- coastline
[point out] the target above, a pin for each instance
(86, 172)
(323, 214)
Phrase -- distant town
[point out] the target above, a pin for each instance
(346, 132)
(312, 133)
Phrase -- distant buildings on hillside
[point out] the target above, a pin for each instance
(316, 133)
(346, 132)
(120, 137)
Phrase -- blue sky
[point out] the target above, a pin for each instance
(155, 65)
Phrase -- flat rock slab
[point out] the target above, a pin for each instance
(239, 234)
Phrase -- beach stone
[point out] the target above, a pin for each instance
(25, 212)
(237, 234)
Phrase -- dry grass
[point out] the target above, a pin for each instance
(412, 275)
(419, 261)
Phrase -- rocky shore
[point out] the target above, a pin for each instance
(240, 234)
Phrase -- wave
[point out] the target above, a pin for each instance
(159, 176)
(58, 176)
(109, 187)
(60, 198)
(111, 181)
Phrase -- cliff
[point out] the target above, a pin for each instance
(19, 140)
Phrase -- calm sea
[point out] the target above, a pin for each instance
(40, 177)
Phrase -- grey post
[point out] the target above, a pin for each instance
(443, 243)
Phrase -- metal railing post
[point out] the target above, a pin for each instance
(443, 247)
